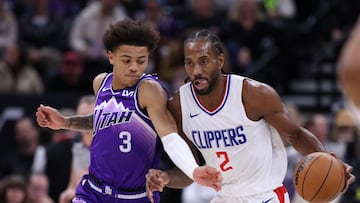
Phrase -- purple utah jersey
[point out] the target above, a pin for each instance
(125, 144)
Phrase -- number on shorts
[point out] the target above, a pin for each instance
(125, 137)
(226, 161)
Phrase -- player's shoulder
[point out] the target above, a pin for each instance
(100, 77)
(257, 88)
(151, 88)
(98, 81)
(149, 83)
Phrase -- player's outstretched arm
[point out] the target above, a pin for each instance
(153, 98)
(50, 117)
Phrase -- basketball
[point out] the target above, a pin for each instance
(319, 177)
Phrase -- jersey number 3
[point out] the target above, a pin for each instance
(223, 164)
(125, 137)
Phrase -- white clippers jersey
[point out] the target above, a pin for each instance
(250, 154)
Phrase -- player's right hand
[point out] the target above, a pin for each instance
(349, 177)
(49, 117)
(208, 176)
(155, 181)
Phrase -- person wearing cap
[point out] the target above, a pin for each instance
(345, 126)
(71, 75)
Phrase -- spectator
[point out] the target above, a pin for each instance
(344, 127)
(19, 159)
(16, 76)
(248, 39)
(43, 36)
(319, 125)
(13, 189)
(280, 8)
(8, 27)
(38, 188)
(87, 30)
(204, 14)
(57, 153)
(71, 76)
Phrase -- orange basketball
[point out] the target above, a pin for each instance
(319, 177)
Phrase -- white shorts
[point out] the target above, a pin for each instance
(279, 195)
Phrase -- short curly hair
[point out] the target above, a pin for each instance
(131, 32)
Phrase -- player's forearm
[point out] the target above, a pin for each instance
(177, 179)
(305, 142)
(80, 123)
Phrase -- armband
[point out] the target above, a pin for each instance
(180, 153)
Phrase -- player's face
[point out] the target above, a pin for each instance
(129, 63)
(202, 66)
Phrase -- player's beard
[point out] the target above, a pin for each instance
(211, 81)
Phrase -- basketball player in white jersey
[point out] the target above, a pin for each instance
(349, 71)
(235, 123)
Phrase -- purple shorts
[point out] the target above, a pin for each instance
(89, 192)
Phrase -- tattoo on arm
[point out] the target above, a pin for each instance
(81, 123)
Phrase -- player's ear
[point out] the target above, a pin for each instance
(221, 61)
(110, 56)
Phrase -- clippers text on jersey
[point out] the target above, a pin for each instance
(219, 138)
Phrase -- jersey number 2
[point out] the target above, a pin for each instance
(223, 166)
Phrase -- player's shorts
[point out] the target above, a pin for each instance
(88, 191)
(279, 195)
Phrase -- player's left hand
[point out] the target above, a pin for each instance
(208, 176)
(349, 177)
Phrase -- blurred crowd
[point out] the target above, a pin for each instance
(55, 47)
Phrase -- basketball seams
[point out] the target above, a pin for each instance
(340, 185)
(325, 178)
(305, 175)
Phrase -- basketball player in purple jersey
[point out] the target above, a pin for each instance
(131, 123)
(236, 123)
